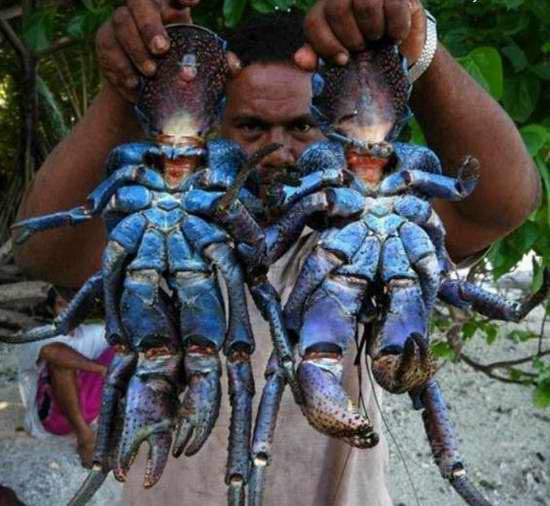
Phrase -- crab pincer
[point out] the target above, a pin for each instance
(200, 406)
(151, 403)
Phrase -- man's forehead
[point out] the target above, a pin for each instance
(269, 90)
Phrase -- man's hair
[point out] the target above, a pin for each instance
(267, 38)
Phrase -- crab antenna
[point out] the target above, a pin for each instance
(248, 167)
(377, 149)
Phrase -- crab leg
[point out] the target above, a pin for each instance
(124, 241)
(264, 429)
(116, 382)
(268, 302)
(443, 442)
(469, 296)
(327, 406)
(317, 266)
(75, 313)
(241, 391)
(238, 347)
(434, 185)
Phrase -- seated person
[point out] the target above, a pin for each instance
(61, 380)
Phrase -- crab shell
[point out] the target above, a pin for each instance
(182, 99)
(367, 98)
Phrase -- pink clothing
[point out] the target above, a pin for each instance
(90, 386)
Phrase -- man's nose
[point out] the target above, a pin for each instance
(282, 156)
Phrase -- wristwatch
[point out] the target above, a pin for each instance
(428, 51)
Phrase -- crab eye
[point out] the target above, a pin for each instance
(189, 60)
(347, 117)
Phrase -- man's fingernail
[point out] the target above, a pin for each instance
(159, 44)
(149, 67)
(131, 82)
(341, 58)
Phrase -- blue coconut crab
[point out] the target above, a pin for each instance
(380, 260)
(169, 221)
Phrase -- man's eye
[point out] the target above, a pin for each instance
(302, 126)
(251, 126)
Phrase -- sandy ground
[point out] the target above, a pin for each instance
(504, 438)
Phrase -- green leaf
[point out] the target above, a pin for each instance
(38, 30)
(541, 395)
(511, 4)
(541, 70)
(521, 336)
(524, 237)
(538, 273)
(469, 328)
(263, 6)
(233, 11)
(89, 4)
(484, 64)
(491, 333)
(417, 136)
(520, 96)
(517, 57)
(541, 9)
(442, 350)
(535, 137)
(283, 4)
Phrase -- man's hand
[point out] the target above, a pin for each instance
(128, 42)
(335, 28)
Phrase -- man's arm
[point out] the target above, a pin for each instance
(68, 256)
(458, 119)
(61, 355)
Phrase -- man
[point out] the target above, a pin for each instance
(61, 380)
(268, 101)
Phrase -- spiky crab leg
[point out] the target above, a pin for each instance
(241, 391)
(264, 429)
(443, 443)
(469, 296)
(120, 370)
(73, 315)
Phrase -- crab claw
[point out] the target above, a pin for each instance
(149, 414)
(405, 371)
(328, 407)
(201, 403)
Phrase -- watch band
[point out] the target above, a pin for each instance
(428, 51)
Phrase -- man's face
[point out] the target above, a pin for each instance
(269, 103)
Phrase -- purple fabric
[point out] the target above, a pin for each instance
(90, 386)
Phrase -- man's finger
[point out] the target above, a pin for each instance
(233, 62)
(398, 19)
(147, 18)
(113, 61)
(128, 36)
(321, 38)
(172, 14)
(369, 15)
(306, 58)
(183, 3)
(340, 18)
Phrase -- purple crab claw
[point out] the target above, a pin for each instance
(149, 416)
(201, 402)
(405, 371)
(328, 407)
